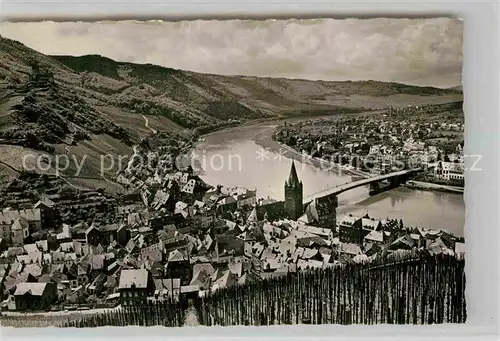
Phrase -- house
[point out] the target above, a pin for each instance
(33, 216)
(5, 232)
(178, 265)
(83, 270)
(227, 204)
(303, 264)
(190, 291)
(31, 258)
(98, 263)
(349, 249)
(35, 296)
(404, 242)
(97, 284)
(226, 280)
(374, 237)
(271, 209)
(273, 231)
(351, 230)
(93, 236)
(162, 199)
(183, 214)
(449, 170)
(151, 253)
(417, 238)
(114, 233)
(230, 245)
(189, 187)
(135, 286)
(321, 213)
(439, 247)
(369, 225)
(20, 230)
(347, 221)
(47, 211)
(137, 219)
(202, 275)
(124, 211)
(245, 198)
(324, 233)
(4, 271)
(371, 249)
(205, 220)
(248, 277)
(157, 220)
(168, 287)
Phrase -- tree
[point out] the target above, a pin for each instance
(39, 235)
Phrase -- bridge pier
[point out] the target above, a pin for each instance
(399, 180)
(374, 188)
(404, 179)
(395, 181)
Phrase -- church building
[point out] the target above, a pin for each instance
(293, 195)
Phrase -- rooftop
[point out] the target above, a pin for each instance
(133, 279)
(34, 289)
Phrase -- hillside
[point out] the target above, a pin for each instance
(236, 97)
(94, 105)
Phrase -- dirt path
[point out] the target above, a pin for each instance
(10, 167)
(146, 124)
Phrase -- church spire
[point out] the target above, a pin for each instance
(293, 195)
(293, 179)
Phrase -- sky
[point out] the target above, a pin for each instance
(425, 52)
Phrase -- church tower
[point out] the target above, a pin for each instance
(293, 195)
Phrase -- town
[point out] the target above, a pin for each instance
(233, 173)
(427, 136)
(171, 236)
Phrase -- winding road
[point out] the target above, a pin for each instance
(146, 124)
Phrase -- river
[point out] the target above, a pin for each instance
(247, 156)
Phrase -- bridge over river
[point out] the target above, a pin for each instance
(395, 178)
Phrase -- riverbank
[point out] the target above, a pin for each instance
(428, 186)
(277, 120)
(412, 184)
(326, 164)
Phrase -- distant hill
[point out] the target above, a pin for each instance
(223, 96)
(97, 105)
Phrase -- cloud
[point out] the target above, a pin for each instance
(404, 50)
